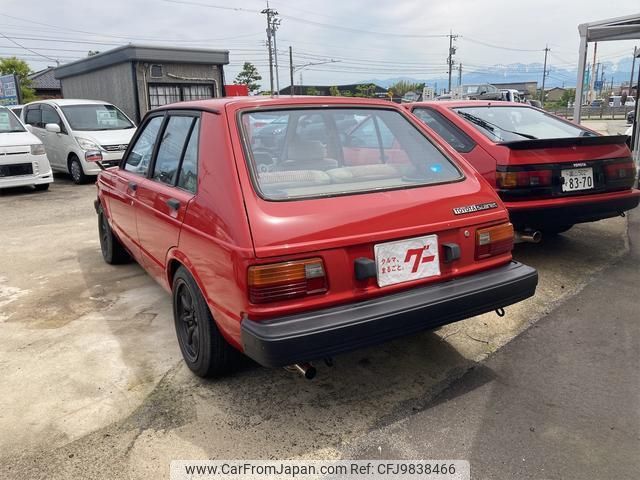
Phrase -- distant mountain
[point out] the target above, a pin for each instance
(519, 72)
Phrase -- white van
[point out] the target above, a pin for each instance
(23, 161)
(616, 101)
(78, 133)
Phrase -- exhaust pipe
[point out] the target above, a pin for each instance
(307, 370)
(528, 236)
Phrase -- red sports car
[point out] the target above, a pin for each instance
(550, 173)
(293, 229)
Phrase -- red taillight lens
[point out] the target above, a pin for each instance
(495, 240)
(286, 280)
(524, 179)
(620, 171)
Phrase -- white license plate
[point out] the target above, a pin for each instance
(406, 260)
(577, 179)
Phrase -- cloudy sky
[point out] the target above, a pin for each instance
(356, 39)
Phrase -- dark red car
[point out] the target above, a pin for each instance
(349, 227)
(550, 173)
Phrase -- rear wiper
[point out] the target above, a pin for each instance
(490, 126)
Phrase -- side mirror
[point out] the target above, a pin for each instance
(52, 127)
(29, 128)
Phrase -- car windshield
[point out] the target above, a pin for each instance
(9, 123)
(317, 152)
(96, 117)
(506, 124)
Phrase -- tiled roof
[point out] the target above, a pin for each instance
(45, 79)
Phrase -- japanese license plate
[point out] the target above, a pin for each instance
(406, 260)
(577, 179)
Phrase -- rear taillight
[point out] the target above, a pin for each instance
(523, 178)
(286, 280)
(620, 170)
(495, 240)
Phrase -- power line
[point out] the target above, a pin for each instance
(28, 49)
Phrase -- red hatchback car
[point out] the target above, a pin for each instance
(550, 173)
(293, 229)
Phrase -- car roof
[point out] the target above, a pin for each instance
(61, 102)
(265, 101)
(471, 103)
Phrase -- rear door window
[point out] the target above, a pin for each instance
(33, 116)
(450, 133)
(338, 151)
(188, 177)
(171, 147)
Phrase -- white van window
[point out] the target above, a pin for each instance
(92, 117)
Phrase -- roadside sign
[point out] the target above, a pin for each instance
(9, 90)
(598, 84)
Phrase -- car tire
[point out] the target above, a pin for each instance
(75, 170)
(113, 251)
(204, 349)
(43, 187)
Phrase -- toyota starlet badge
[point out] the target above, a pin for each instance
(478, 207)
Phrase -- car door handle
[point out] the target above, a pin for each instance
(133, 186)
(173, 203)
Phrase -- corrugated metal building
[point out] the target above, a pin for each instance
(137, 78)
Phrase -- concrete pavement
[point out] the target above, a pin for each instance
(561, 401)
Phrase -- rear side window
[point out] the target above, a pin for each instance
(188, 178)
(140, 155)
(312, 152)
(171, 147)
(451, 134)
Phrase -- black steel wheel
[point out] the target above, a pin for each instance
(204, 349)
(77, 173)
(112, 250)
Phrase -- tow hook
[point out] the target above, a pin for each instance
(528, 236)
(500, 312)
(307, 370)
(622, 214)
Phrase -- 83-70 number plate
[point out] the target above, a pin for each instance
(577, 179)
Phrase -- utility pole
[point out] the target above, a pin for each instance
(291, 70)
(594, 73)
(459, 74)
(274, 26)
(602, 85)
(452, 52)
(636, 51)
(544, 73)
(271, 15)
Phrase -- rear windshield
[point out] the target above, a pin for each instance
(9, 122)
(506, 124)
(96, 117)
(311, 152)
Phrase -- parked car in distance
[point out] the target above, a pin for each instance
(550, 173)
(616, 101)
(630, 117)
(23, 161)
(309, 249)
(78, 133)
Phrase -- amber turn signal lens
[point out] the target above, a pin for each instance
(281, 281)
(495, 240)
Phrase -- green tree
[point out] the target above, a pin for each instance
(249, 76)
(334, 92)
(365, 90)
(312, 91)
(21, 69)
(400, 88)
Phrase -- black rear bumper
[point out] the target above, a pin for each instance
(327, 332)
(540, 218)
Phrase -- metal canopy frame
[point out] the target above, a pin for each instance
(620, 28)
(612, 29)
